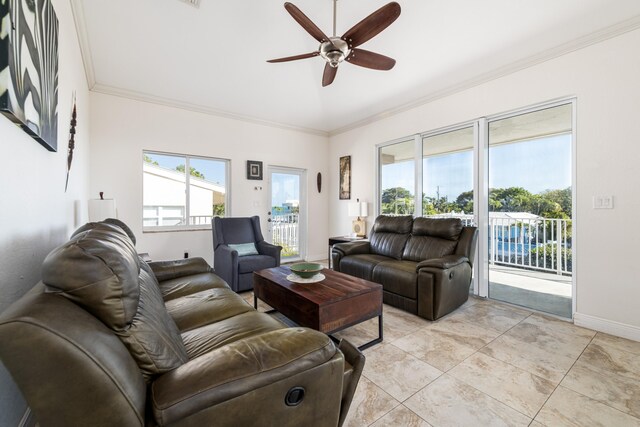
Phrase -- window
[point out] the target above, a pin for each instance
(175, 199)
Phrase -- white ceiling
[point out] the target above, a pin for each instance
(212, 58)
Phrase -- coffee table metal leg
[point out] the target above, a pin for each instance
(255, 301)
(377, 340)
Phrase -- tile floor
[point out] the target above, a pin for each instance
(491, 364)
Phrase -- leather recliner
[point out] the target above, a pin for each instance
(106, 339)
(424, 264)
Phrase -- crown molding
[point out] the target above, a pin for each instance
(144, 97)
(83, 40)
(555, 52)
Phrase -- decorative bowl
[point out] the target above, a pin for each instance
(306, 270)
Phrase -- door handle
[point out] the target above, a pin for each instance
(269, 220)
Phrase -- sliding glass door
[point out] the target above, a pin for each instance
(512, 175)
(530, 209)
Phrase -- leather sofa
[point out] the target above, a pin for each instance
(106, 339)
(424, 264)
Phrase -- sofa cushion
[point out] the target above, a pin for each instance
(214, 335)
(99, 270)
(153, 337)
(199, 309)
(191, 284)
(443, 228)
(399, 277)
(361, 265)
(419, 248)
(251, 263)
(389, 235)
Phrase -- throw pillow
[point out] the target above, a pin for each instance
(245, 249)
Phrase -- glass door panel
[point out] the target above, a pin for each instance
(397, 178)
(447, 176)
(286, 217)
(530, 210)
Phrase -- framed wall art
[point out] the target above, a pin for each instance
(254, 170)
(29, 68)
(345, 178)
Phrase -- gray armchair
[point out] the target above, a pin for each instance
(237, 270)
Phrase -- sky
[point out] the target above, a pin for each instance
(536, 165)
(285, 187)
(213, 170)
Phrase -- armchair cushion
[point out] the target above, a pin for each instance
(251, 263)
(244, 249)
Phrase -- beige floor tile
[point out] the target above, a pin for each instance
(401, 416)
(369, 403)
(449, 402)
(549, 337)
(436, 348)
(493, 317)
(529, 357)
(612, 361)
(617, 343)
(397, 372)
(398, 323)
(512, 386)
(553, 325)
(568, 408)
(472, 335)
(614, 390)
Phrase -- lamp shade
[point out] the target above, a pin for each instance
(100, 209)
(358, 209)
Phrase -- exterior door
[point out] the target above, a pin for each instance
(287, 211)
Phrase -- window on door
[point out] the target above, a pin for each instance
(175, 199)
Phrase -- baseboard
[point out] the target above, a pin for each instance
(607, 326)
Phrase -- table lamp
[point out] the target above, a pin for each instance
(101, 209)
(359, 225)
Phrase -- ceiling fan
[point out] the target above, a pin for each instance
(335, 49)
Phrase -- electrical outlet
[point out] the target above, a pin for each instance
(186, 254)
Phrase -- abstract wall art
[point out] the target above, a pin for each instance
(29, 68)
(345, 178)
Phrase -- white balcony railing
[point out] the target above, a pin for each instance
(285, 232)
(532, 243)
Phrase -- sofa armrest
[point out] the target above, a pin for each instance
(167, 270)
(237, 369)
(265, 248)
(352, 248)
(446, 262)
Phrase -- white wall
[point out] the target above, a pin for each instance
(604, 78)
(122, 128)
(36, 214)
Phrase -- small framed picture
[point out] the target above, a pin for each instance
(254, 170)
(345, 178)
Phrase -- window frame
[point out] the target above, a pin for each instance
(188, 158)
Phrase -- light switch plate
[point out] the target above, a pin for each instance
(602, 202)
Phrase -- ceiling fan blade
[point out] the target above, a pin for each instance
(372, 25)
(294, 58)
(328, 75)
(372, 60)
(305, 22)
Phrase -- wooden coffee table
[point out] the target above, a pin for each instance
(329, 306)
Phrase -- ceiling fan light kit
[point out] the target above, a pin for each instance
(335, 50)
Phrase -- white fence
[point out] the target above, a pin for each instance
(533, 243)
(285, 231)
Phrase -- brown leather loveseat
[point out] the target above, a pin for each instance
(424, 264)
(108, 340)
